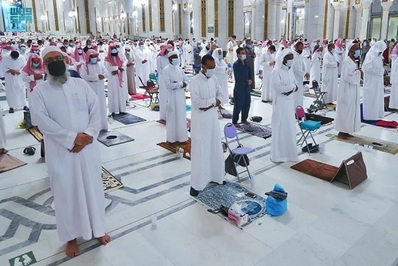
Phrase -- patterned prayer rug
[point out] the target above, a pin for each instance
(317, 169)
(186, 146)
(128, 119)
(256, 130)
(112, 138)
(215, 195)
(3, 98)
(110, 182)
(255, 93)
(35, 132)
(9, 162)
(377, 144)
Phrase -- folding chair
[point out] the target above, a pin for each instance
(320, 101)
(239, 152)
(306, 127)
(153, 92)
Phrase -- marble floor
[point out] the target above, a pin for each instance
(153, 220)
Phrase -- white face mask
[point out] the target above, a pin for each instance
(210, 72)
(332, 51)
(175, 61)
(289, 63)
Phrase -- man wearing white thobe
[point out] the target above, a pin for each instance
(394, 84)
(66, 111)
(348, 118)
(142, 63)
(373, 83)
(316, 62)
(130, 71)
(95, 73)
(330, 78)
(299, 70)
(163, 61)
(175, 81)
(267, 63)
(232, 45)
(15, 86)
(284, 86)
(207, 159)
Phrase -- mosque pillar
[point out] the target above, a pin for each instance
(270, 22)
(210, 14)
(187, 20)
(384, 20)
(197, 19)
(358, 22)
(336, 24)
(222, 23)
(238, 20)
(253, 21)
(365, 18)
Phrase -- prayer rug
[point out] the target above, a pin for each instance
(163, 122)
(9, 162)
(256, 130)
(128, 119)
(3, 98)
(112, 138)
(139, 96)
(255, 93)
(323, 119)
(35, 132)
(377, 144)
(186, 146)
(317, 169)
(109, 181)
(214, 196)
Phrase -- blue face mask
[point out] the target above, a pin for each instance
(357, 53)
(114, 51)
(243, 57)
(35, 65)
(93, 60)
(220, 57)
(175, 62)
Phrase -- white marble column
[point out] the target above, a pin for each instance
(289, 20)
(222, 24)
(186, 22)
(210, 18)
(336, 24)
(384, 20)
(365, 18)
(197, 19)
(253, 21)
(278, 18)
(329, 24)
(155, 18)
(238, 19)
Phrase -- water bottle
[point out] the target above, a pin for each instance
(181, 153)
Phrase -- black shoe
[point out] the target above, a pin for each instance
(11, 110)
(193, 192)
(26, 108)
(123, 113)
(113, 114)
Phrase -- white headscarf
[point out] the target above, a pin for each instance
(349, 46)
(281, 55)
(374, 51)
(49, 49)
(216, 59)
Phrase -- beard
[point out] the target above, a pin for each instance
(58, 80)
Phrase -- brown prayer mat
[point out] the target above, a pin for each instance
(109, 181)
(186, 146)
(35, 132)
(317, 169)
(9, 162)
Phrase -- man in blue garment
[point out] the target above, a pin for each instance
(243, 80)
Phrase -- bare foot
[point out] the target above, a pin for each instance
(3, 151)
(72, 250)
(104, 239)
(237, 125)
(342, 135)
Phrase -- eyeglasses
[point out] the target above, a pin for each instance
(53, 59)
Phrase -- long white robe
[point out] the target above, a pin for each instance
(98, 86)
(15, 86)
(315, 72)
(339, 55)
(3, 140)
(348, 118)
(299, 71)
(176, 126)
(62, 111)
(257, 60)
(142, 69)
(222, 78)
(266, 59)
(283, 141)
(162, 62)
(117, 94)
(394, 85)
(330, 78)
(130, 73)
(231, 48)
(373, 90)
(188, 51)
(28, 78)
(207, 159)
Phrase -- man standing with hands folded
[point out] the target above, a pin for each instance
(67, 112)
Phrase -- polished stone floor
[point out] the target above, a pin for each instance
(153, 220)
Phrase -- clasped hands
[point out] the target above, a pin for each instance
(13, 72)
(81, 141)
(294, 89)
(218, 103)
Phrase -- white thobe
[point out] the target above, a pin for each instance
(373, 90)
(307, 61)
(176, 126)
(283, 141)
(162, 62)
(257, 60)
(188, 51)
(142, 69)
(3, 140)
(130, 72)
(15, 86)
(348, 118)
(28, 78)
(117, 93)
(330, 78)
(299, 71)
(266, 59)
(315, 72)
(207, 159)
(62, 111)
(222, 78)
(339, 55)
(394, 85)
(230, 54)
(98, 86)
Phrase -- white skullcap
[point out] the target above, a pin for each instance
(172, 53)
(49, 49)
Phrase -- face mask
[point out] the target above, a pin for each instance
(57, 68)
(89, 46)
(249, 46)
(289, 63)
(243, 57)
(332, 51)
(114, 51)
(300, 51)
(35, 65)
(23, 49)
(80, 51)
(170, 49)
(175, 62)
(93, 60)
(210, 72)
(36, 51)
(142, 47)
(66, 45)
(357, 53)
(220, 56)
